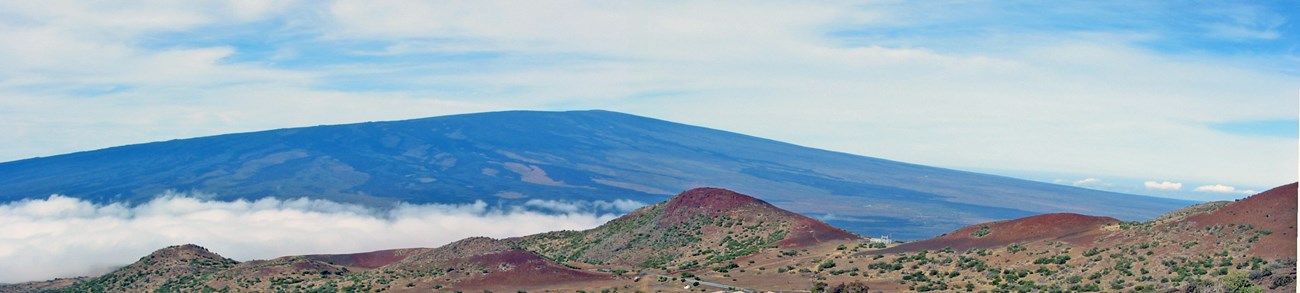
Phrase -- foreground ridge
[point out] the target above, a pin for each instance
(711, 239)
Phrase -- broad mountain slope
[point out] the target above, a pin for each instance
(698, 228)
(510, 157)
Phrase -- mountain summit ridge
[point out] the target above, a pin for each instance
(514, 156)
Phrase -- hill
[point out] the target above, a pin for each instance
(695, 220)
(1071, 228)
(1212, 247)
(166, 270)
(511, 157)
(712, 239)
(699, 228)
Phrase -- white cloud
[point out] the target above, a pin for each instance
(1163, 185)
(1087, 181)
(1220, 188)
(61, 236)
(573, 206)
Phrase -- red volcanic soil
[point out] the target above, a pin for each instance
(369, 260)
(518, 268)
(715, 202)
(808, 232)
(1273, 210)
(1067, 227)
(708, 201)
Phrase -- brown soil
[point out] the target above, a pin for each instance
(1273, 210)
(1066, 227)
(368, 260)
(521, 268)
(716, 202)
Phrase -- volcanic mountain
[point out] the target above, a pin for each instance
(508, 158)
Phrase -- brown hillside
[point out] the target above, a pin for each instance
(158, 270)
(697, 228)
(369, 260)
(1066, 227)
(485, 263)
(717, 202)
(1273, 211)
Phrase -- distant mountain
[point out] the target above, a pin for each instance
(511, 157)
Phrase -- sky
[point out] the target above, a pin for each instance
(1194, 100)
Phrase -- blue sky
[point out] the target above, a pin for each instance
(1191, 100)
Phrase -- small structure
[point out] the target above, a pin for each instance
(884, 239)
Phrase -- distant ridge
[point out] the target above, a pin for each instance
(514, 156)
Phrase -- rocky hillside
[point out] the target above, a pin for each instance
(166, 270)
(1213, 247)
(694, 230)
(1064, 227)
(699, 228)
(712, 239)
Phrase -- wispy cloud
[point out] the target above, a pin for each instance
(1220, 188)
(61, 236)
(572, 206)
(1087, 182)
(1163, 185)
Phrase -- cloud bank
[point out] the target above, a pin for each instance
(1163, 185)
(1220, 188)
(62, 236)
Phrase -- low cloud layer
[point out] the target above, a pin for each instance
(61, 236)
(1163, 185)
(1087, 182)
(1220, 188)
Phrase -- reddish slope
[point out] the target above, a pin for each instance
(1067, 227)
(369, 260)
(697, 228)
(486, 263)
(1273, 210)
(717, 202)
